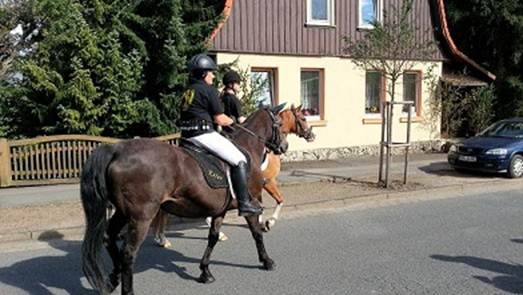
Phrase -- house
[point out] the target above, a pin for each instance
(297, 45)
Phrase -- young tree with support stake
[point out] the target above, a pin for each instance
(391, 48)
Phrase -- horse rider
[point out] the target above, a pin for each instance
(231, 103)
(201, 108)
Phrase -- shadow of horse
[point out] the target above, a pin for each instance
(510, 281)
(39, 275)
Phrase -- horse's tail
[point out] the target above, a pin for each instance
(93, 189)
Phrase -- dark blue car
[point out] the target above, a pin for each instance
(499, 148)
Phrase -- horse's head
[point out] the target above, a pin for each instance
(293, 121)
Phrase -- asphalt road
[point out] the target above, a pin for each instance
(464, 245)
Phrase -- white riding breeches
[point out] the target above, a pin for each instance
(220, 146)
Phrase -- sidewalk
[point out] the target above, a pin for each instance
(32, 212)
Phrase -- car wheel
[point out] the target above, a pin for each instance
(515, 169)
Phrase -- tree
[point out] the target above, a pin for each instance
(391, 48)
(113, 68)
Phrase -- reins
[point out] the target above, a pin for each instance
(275, 133)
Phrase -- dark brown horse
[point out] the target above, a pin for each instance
(292, 122)
(139, 177)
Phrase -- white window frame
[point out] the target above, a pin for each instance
(379, 16)
(330, 14)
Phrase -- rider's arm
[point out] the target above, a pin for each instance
(222, 120)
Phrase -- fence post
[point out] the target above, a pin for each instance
(5, 163)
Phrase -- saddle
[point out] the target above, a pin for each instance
(214, 169)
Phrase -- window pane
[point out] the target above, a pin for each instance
(319, 10)
(310, 93)
(409, 89)
(368, 11)
(372, 92)
(262, 85)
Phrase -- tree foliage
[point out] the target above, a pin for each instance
(112, 68)
(392, 46)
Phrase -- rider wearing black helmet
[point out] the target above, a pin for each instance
(231, 104)
(201, 108)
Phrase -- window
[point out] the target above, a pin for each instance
(369, 12)
(412, 90)
(312, 94)
(263, 85)
(320, 12)
(374, 92)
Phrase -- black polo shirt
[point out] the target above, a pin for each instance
(200, 102)
(231, 106)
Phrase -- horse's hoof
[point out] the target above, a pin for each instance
(206, 278)
(164, 243)
(167, 244)
(113, 282)
(269, 264)
(222, 237)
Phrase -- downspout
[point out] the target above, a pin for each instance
(453, 48)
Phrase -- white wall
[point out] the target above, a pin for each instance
(344, 100)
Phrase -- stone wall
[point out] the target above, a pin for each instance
(365, 150)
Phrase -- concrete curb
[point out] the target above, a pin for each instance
(354, 202)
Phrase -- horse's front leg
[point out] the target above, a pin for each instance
(257, 234)
(271, 186)
(214, 232)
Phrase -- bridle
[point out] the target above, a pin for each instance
(274, 143)
(300, 130)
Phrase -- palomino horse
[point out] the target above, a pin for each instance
(139, 177)
(292, 121)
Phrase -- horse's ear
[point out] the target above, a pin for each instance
(277, 109)
(299, 108)
(292, 108)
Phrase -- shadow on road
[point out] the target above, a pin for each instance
(444, 169)
(510, 281)
(37, 275)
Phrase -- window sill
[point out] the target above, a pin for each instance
(320, 25)
(371, 121)
(365, 28)
(317, 123)
(412, 119)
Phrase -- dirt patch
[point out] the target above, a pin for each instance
(58, 215)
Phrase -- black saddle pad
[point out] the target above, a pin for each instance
(213, 168)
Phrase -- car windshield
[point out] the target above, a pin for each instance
(511, 129)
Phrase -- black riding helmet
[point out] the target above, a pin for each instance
(231, 77)
(201, 62)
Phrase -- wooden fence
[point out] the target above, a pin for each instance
(50, 159)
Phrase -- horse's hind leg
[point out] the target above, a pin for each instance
(271, 186)
(214, 232)
(159, 224)
(137, 231)
(257, 234)
(116, 223)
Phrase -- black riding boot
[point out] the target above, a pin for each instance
(239, 183)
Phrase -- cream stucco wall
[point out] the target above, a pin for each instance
(344, 100)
